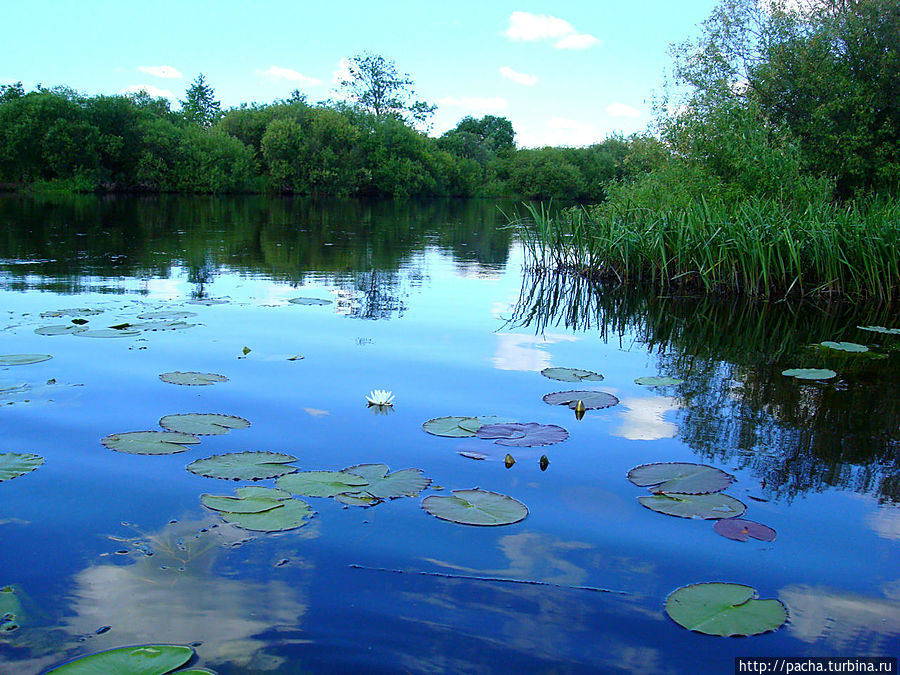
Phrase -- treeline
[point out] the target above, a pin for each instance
(60, 138)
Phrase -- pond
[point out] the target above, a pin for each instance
(105, 548)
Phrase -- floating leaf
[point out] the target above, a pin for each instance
(249, 465)
(23, 359)
(288, 515)
(683, 477)
(472, 455)
(321, 483)
(658, 381)
(571, 375)
(107, 333)
(707, 507)
(208, 302)
(449, 426)
(384, 485)
(845, 346)
(309, 301)
(881, 329)
(476, 507)
(258, 491)
(740, 530)
(258, 501)
(724, 609)
(60, 329)
(357, 499)
(167, 315)
(473, 424)
(11, 387)
(203, 424)
(810, 373)
(74, 311)
(296, 357)
(527, 435)
(192, 378)
(155, 326)
(593, 400)
(149, 442)
(14, 464)
(146, 660)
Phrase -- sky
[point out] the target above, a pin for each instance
(566, 73)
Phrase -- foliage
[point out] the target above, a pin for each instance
(199, 105)
(373, 83)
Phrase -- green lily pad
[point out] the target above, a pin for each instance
(321, 483)
(192, 378)
(249, 465)
(108, 333)
(526, 435)
(73, 311)
(476, 507)
(717, 608)
(12, 387)
(144, 660)
(248, 500)
(473, 424)
(357, 499)
(881, 329)
(166, 315)
(742, 530)
(309, 301)
(149, 442)
(683, 477)
(384, 485)
(203, 424)
(658, 381)
(845, 346)
(593, 400)
(23, 359)
(449, 426)
(60, 329)
(156, 326)
(209, 302)
(707, 507)
(288, 515)
(571, 375)
(14, 464)
(810, 373)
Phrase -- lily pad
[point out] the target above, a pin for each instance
(14, 464)
(571, 375)
(259, 500)
(657, 381)
(249, 465)
(73, 311)
(357, 499)
(108, 333)
(11, 387)
(724, 609)
(203, 424)
(476, 507)
(60, 329)
(288, 515)
(309, 301)
(321, 483)
(23, 359)
(149, 442)
(741, 530)
(528, 435)
(473, 424)
(707, 507)
(384, 485)
(810, 373)
(144, 660)
(449, 426)
(881, 329)
(156, 326)
(209, 302)
(166, 315)
(845, 346)
(593, 400)
(192, 378)
(683, 477)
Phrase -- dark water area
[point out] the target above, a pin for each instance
(429, 300)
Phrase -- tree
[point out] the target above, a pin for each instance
(199, 105)
(496, 133)
(374, 84)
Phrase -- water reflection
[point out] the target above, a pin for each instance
(642, 419)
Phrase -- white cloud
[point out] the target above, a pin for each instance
(154, 92)
(643, 418)
(167, 72)
(279, 73)
(527, 27)
(517, 351)
(475, 104)
(520, 78)
(622, 110)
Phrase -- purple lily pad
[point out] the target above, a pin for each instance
(593, 400)
(525, 435)
(741, 530)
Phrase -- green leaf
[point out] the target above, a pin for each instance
(881, 329)
(449, 426)
(209, 302)
(321, 483)
(845, 346)
(810, 373)
(384, 485)
(683, 477)
(288, 515)
(707, 507)
(13, 387)
(252, 504)
(593, 400)
(244, 465)
(23, 359)
(60, 329)
(149, 442)
(192, 378)
(653, 381)
(571, 375)
(74, 311)
(309, 301)
(146, 660)
(14, 464)
(473, 424)
(203, 424)
(107, 333)
(724, 609)
(476, 507)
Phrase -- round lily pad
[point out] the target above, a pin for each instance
(321, 483)
(288, 515)
(476, 507)
(717, 608)
(156, 326)
(249, 465)
(143, 660)
(209, 302)
(593, 400)
(384, 485)
(261, 499)
(742, 530)
(528, 435)
(571, 375)
(14, 464)
(203, 424)
(309, 301)
(12, 387)
(881, 329)
(149, 442)
(707, 507)
(73, 311)
(657, 381)
(166, 315)
(23, 359)
(108, 333)
(810, 373)
(60, 329)
(845, 346)
(192, 378)
(473, 424)
(449, 426)
(683, 477)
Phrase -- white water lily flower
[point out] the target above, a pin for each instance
(380, 397)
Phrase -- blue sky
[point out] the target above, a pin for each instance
(564, 73)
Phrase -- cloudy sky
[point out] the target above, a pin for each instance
(564, 72)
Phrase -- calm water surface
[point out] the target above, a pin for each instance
(106, 549)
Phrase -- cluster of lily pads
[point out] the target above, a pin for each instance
(180, 430)
(147, 322)
(846, 347)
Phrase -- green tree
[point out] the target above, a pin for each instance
(374, 84)
(199, 105)
(495, 133)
